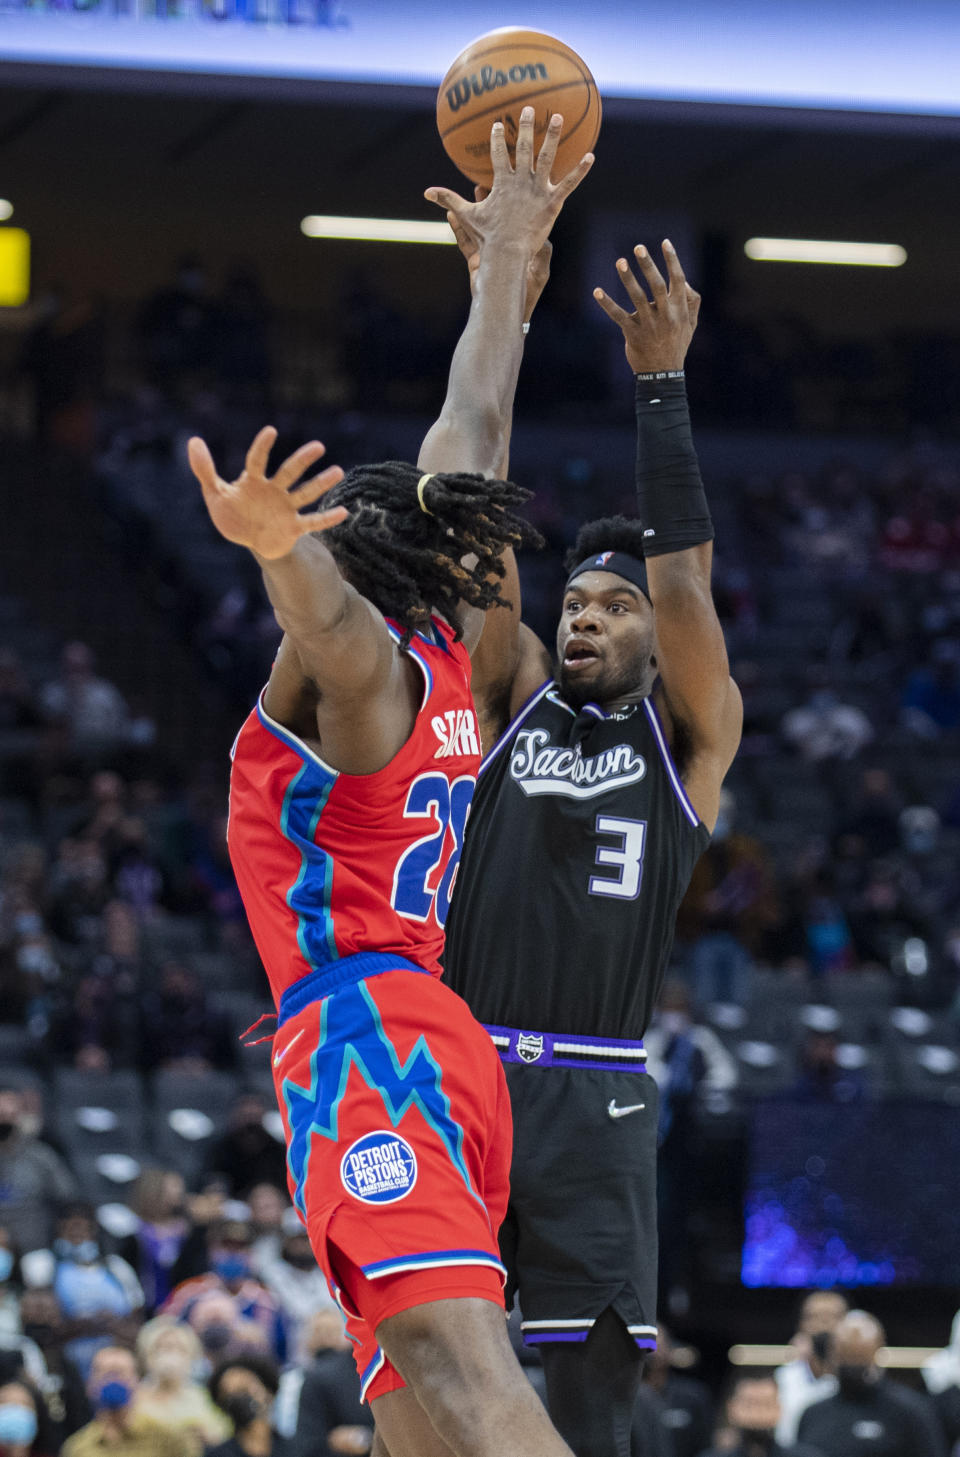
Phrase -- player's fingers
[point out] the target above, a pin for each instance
(307, 492)
(201, 463)
(259, 452)
(551, 142)
(632, 284)
(651, 273)
(675, 271)
(322, 520)
(447, 199)
(295, 465)
(499, 152)
(612, 310)
(574, 177)
(466, 240)
(524, 148)
(693, 305)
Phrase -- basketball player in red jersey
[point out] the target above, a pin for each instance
(350, 789)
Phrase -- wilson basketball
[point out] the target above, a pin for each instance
(499, 74)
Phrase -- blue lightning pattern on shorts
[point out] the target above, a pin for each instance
(352, 1035)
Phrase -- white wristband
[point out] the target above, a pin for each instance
(525, 328)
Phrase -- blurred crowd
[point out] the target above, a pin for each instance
(158, 1294)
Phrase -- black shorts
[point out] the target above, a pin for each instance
(581, 1228)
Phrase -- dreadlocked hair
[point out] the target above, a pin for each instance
(609, 533)
(407, 562)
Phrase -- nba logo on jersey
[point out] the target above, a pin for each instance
(529, 1048)
(379, 1168)
(603, 558)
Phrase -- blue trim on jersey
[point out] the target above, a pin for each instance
(375, 1366)
(671, 768)
(352, 1035)
(401, 1263)
(418, 657)
(309, 896)
(327, 979)
(514, 724)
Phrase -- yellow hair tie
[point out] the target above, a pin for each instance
(420, 485)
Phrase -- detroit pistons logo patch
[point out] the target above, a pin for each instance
(379, 1168)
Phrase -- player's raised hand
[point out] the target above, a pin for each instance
(265, 513)
(657, 333)
(538, 269)
(523, 203)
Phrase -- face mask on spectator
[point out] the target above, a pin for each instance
(17, 1424)
(855, 1382)
(241, 1408)
(6, 1265)
(84, 1253)
(114, 1395)
(757, 1439)
(41, 1332)
(232, 1266)
(216, 1337)
(172, 1365)
(674, 1024)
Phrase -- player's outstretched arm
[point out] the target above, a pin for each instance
(335, 640)
(702, 702)
(523, 204)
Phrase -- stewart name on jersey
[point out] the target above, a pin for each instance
(332, 864)
(580, 847)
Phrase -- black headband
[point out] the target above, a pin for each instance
(621, 563)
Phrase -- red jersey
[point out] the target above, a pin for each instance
(332, 864)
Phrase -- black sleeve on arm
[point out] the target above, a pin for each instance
(671, 502)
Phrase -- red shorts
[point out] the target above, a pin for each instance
(399, 1136)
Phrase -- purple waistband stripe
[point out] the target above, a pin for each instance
(559, 1049)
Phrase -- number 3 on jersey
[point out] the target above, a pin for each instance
(626, 858)
(431, 796)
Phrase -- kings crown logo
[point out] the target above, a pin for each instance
(489, 79)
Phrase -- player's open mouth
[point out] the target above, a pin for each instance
(579, 655)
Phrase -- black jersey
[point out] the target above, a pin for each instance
(579, 847)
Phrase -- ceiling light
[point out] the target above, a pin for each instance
(377, 230)
(812, 250)
(6, 209)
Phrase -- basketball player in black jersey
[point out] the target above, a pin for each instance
(598, 794)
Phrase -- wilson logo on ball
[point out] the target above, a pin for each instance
(461, 92)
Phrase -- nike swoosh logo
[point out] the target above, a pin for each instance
(616, 1112)
(279, 1056)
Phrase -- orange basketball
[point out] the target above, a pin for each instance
(499, 74)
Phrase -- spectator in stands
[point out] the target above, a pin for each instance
(686, 1409)
(809, 1377)
(330, 1416)
(33, 1179)
(60, 1382)
(821, 1078)
(869, 1408)
(247, 1154)
(117, 1426)
(752, 1413)
(870, 826)
(730, 903)
(99, 1295)
(824, 727)
(298, 1283)
(941, 1375)
(244, 1388)
(829, 940)
(230, 1244)
(685, 1060)
(177, 328)
(12, 1336)
(92, 710)
(170, 1353)
(23, 1421)
(181, 1031)
(223, 1331)
(930, 704)
(159, 1201)
(886, 912)
(79, 891)
(268, 1205)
